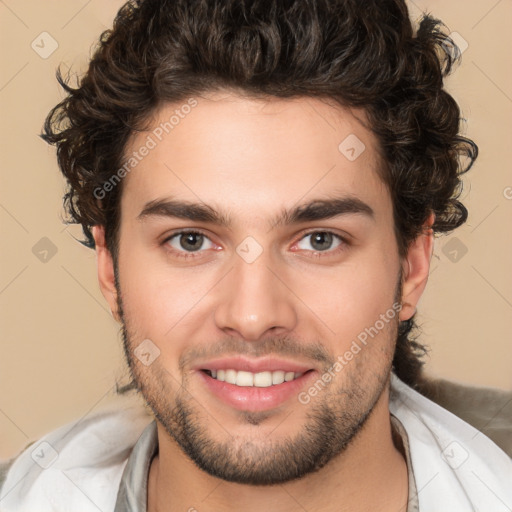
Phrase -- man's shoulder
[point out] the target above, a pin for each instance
(83, 459)
(459, 443)
(487, 409)
(4, 469)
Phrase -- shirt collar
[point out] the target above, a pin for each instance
(399, 430)
(133, 489)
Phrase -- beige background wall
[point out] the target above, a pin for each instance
(60, 348)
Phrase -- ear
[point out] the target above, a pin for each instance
(105, 265)
(415, 269)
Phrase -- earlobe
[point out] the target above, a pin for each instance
(415, 268)
(105, 269)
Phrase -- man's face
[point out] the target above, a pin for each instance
(256, 295)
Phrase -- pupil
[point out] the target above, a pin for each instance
(322, 238)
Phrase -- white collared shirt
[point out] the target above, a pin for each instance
(102, 462)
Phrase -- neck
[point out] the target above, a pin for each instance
(371, 474)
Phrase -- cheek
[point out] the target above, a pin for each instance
(352, 297)
(160, 302)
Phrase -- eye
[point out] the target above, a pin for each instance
(322, 241)
(185, 242)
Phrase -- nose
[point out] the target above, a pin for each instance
(255, 300)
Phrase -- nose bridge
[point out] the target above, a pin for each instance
(254, 299)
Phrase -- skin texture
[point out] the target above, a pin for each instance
(250, 159)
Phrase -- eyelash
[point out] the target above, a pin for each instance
(315, 254)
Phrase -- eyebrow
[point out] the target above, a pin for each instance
(318, 209)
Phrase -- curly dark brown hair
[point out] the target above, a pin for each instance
(359, 54)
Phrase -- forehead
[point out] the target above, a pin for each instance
(252, 155)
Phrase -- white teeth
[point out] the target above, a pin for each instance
(263, 379)
(230, 377)
(278, 377)
(244, 379)
(249, 379)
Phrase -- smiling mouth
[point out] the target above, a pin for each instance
(248, 379)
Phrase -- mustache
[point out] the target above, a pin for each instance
(276, 346)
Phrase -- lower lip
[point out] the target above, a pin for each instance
(251, 398)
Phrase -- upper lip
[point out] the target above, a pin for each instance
(262, 364)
